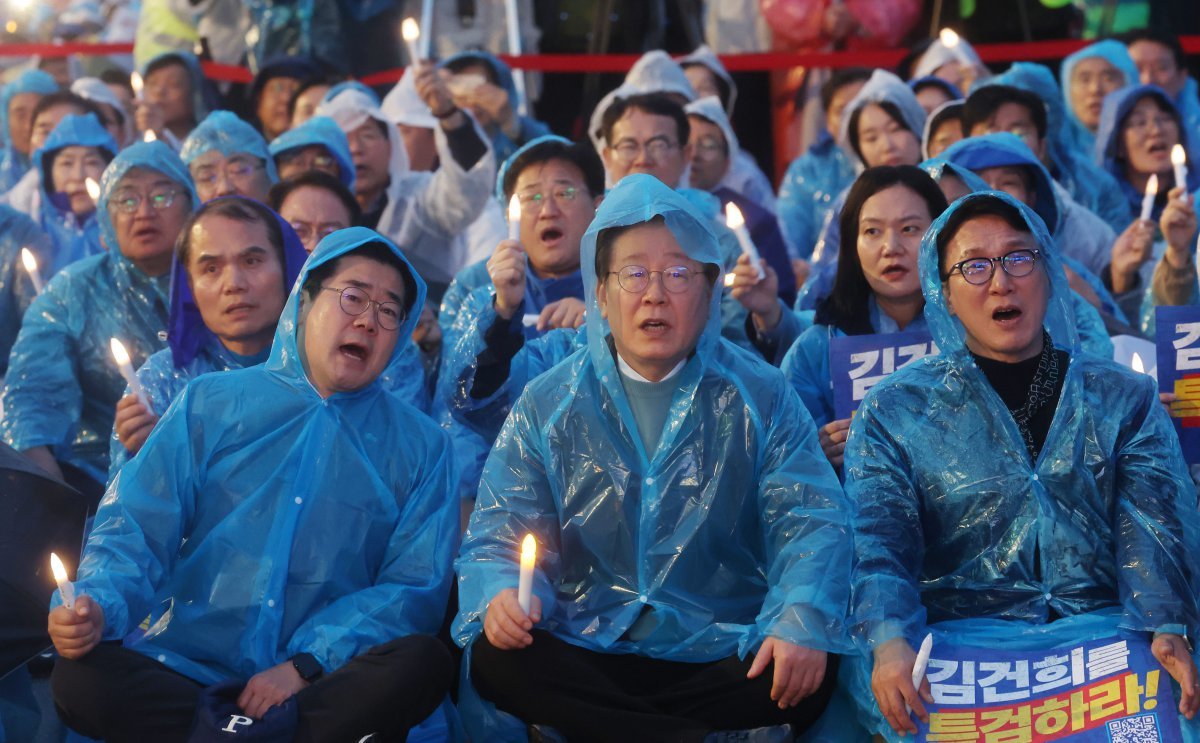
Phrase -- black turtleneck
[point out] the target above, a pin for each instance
(1012, 382)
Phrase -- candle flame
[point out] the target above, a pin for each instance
(57, 567)
(118, 351)
(150, 136)
(1178, 156)
(1152, 184)
(135, 82)
(729, 279)
(28, 260)
(948, 37)
(514, 209)
(528, 549)
(93, 188)
(733, 216)
(409, 29)
(1136, 363)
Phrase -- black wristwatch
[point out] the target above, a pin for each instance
(307, 666)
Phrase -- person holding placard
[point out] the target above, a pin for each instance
(1013, 482)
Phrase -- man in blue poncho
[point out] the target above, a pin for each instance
(1087, 77)
(317, 144)
(693, 545)
(63, 385)
(17, 291)
(235, 262)
(1029, 490)
(286, 528)
(1160, 61)
(228, 157)
(17, 103)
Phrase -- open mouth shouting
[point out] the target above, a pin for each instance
(1007, 316)
(354, 351)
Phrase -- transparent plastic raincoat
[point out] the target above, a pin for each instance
(1069, 165)
(74, 237)
(261, 520)
(531, 128)
(811, 183)
(954, 522)
(13, 164)
(63, 385)
(1115, 53)
(749, 543)
(319, 131)
(224, 132)
(200, 101)
(192, 349)
(16, 288)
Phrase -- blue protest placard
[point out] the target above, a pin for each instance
(858, 362)
(1178, 342)
(1109, 690)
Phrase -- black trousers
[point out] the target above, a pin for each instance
(117, 694)
(590, 696)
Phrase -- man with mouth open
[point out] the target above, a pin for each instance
(285, 528)
(693, 549)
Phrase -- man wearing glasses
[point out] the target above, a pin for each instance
(693, 543)
(287, 531)
(228, 157)
(62, 384)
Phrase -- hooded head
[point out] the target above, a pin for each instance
(1002, 158)
(319, 131)
(945, 174)
(642, 222)
(1112, 151)
(404, 107)
(703, 174)
(30, 81)
(72, 131)
(1003, 310)
(938, 55)
(1102, 68)
(345, 85)
(345, 352)
(943, 127)
(500, 73)
(351, 108)
(195, 75)
(886, 91)
(119, 121)
(703, 66)
(216, 146)
(153, 156)
(274, 85)
(933, 91)
(654, 72)
(186, 330)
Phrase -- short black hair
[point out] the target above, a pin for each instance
(315, 179)
(457, 65)
(723, 89)
(311, 82)
(609, 235)
(846, 305)
(582, 156)
(1170, 41)
(238, 209)
(838, 80)
(378, 251)
(115, 76)
(891, 109)
(982, 104)
(983, 205)
(656, 104)
(166, 60)
(66, 97)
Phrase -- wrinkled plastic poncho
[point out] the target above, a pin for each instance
(403, 105)
(224, 132)
(705, 56)
(192, 349)
(74, 236)
(743, 175)
(938, 54)
(1115, 53)
(261, 520)
(627, 537)
(425, 212)
(1103, 521)
(654, 72)
(1188, 104)
(13, 164)
(1069, 164)
(809, 186)
(319, 131)
(16, 287)
(531, 128)
(62, 384)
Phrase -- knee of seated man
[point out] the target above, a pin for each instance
(79, 693)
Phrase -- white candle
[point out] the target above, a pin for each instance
(949, 39)
(513, 23)
(1179, 161)
(530, 320)
(1148, 199)
(411, 33)
(525, 586)
(427, 24)
(31, 268)
(149, 136)
(918, 673)
(514, 218)
(121, 356)
(736, 222)
(65, 587)
(137, 84)
(93, 189)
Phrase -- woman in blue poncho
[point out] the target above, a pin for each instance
(78, 150)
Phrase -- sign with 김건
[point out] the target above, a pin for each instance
(1178, 341)
(1110, 690)
(858, 362)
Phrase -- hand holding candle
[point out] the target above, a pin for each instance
(514, 218)
(31, 267)
(124, 364)
(525, 585)
(1179, 162)
(65, 587)
(1148, 198)
(411, 33)
(137, 85)
(736, 222)
(921, 663)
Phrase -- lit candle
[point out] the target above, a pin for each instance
(1136, 364)
(736, 222)
(65, 587)
(525, 587)
(514, 218)
(149, 136)
(1179, 160)
(1148, 199)
(121, 356)
(31, 268)
(137, 84)
(411, 33)
(93, 189)
(729, 279)
(949, 39)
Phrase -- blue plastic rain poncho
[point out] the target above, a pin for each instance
(192, 349)
(1069, 164)
(261, 520)
(16, 287)
(809, 186)
(318, 131)
(743, 176)
(777, 560)
(62, 386)
(530, 128)
(1115, 53)
(200, 98)
(13, 163)
(1103, 521)
(1188, 105)
(74, 236)
(224, 132)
